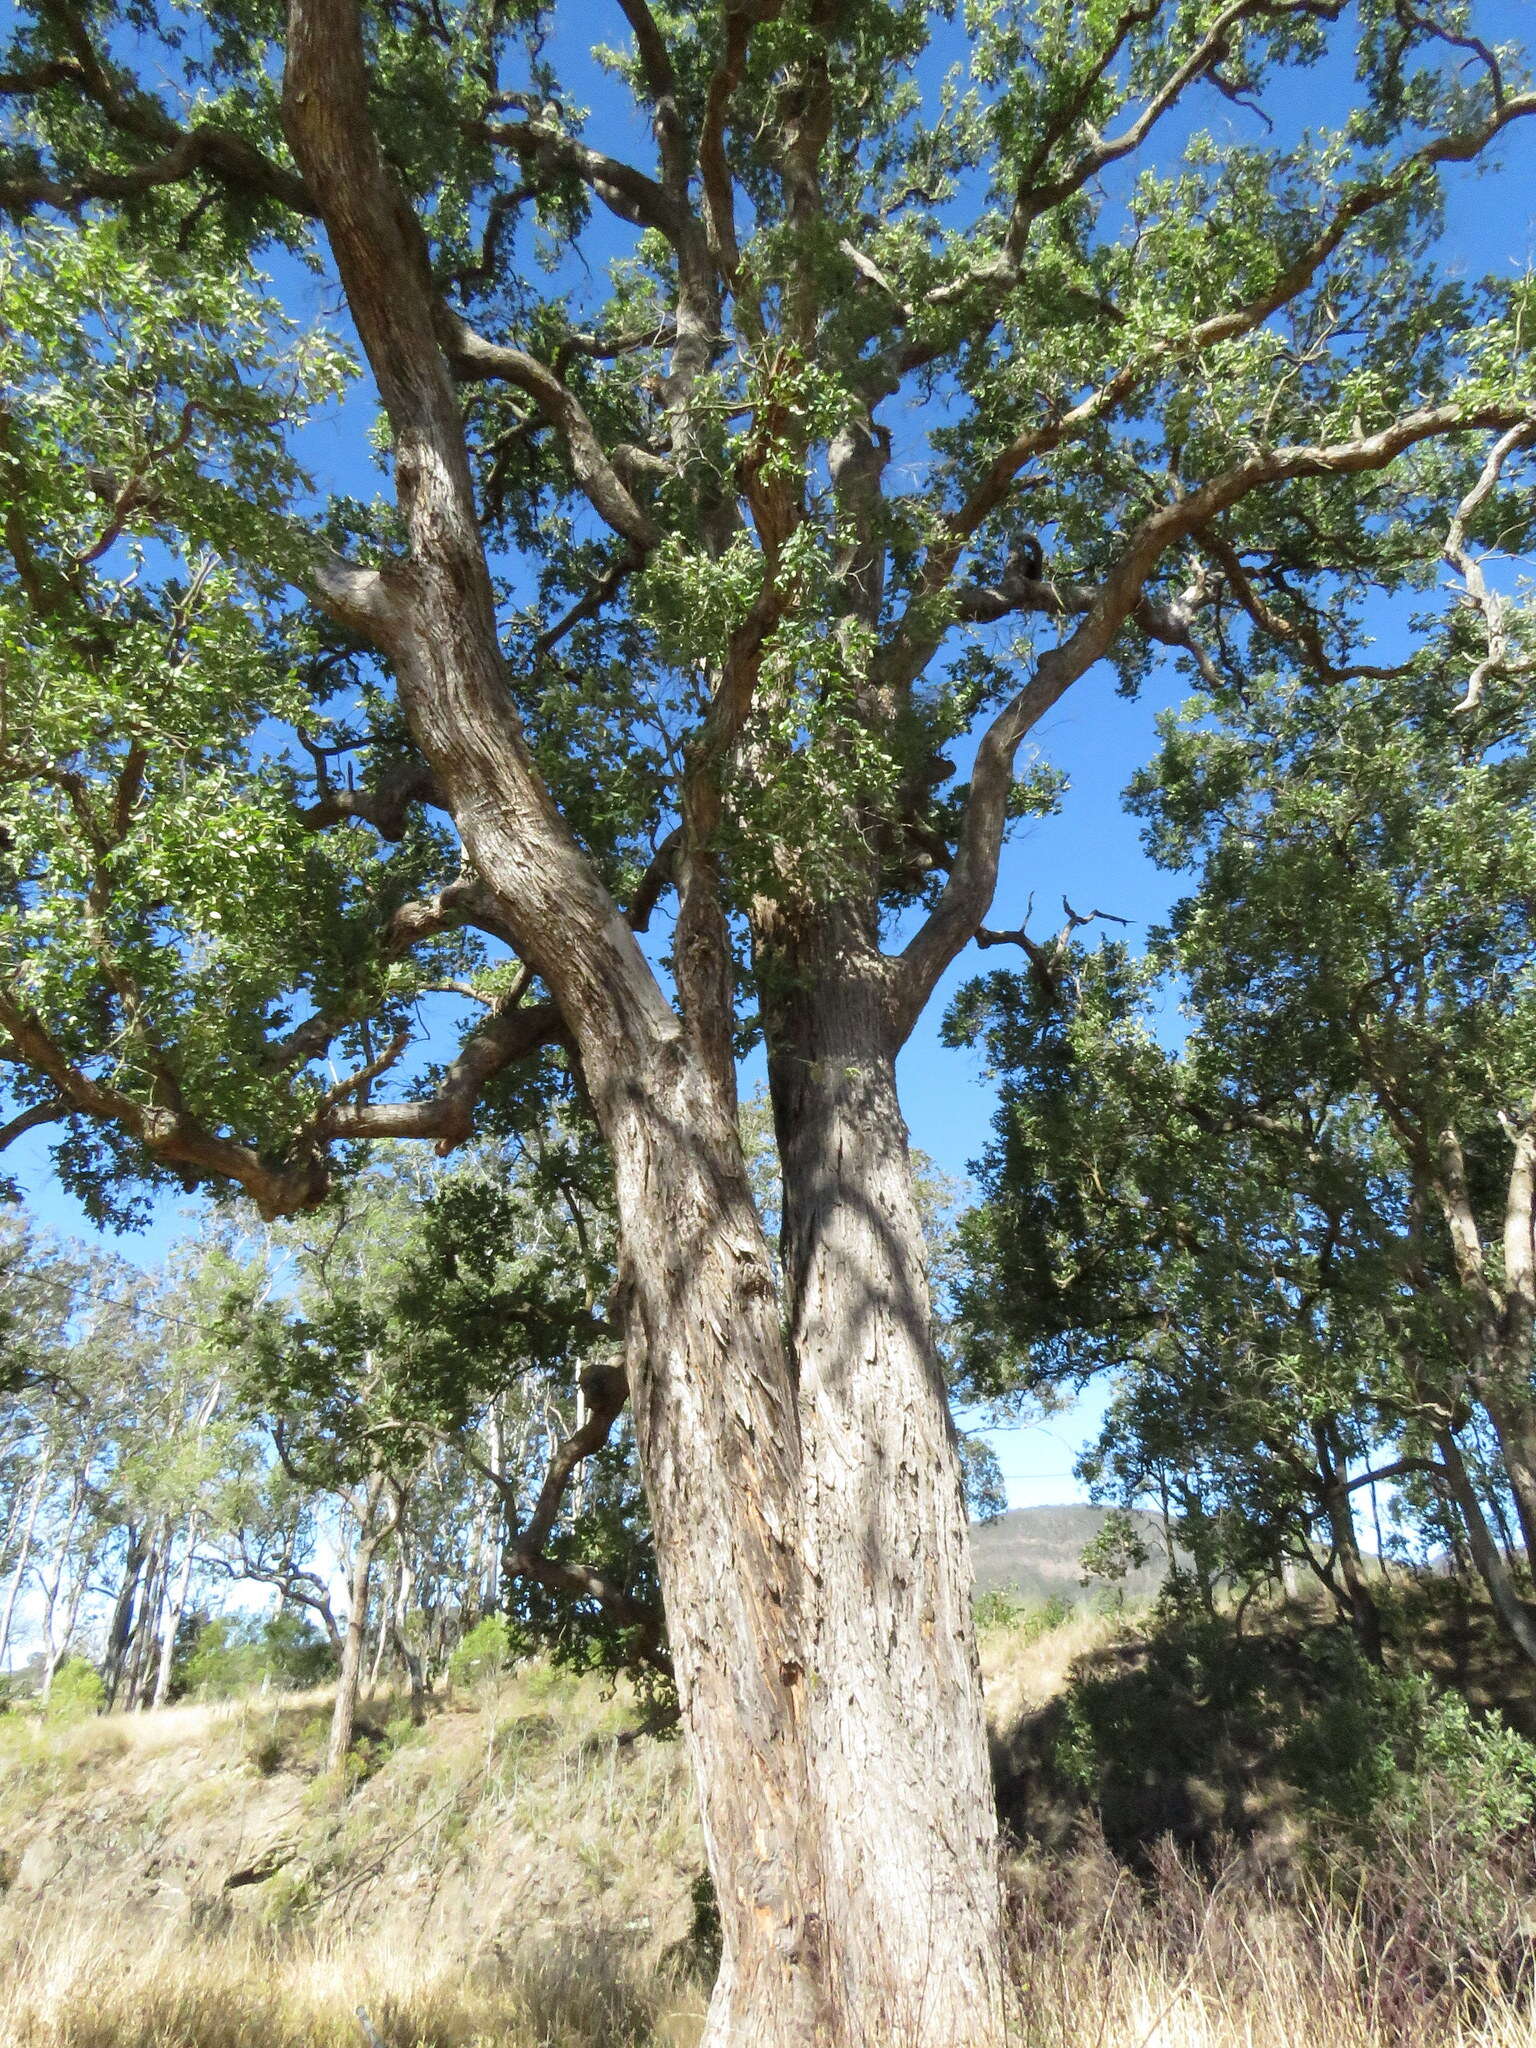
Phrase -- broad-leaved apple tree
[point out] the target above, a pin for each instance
(768, 452)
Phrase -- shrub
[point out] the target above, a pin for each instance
(1001, 1609)
(76, 1693)
(235, 1654)
(484, 1650)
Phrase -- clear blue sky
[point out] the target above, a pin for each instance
(1091, 850)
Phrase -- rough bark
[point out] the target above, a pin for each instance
(894, 1690)
(1515, 1614)
(786, 1801)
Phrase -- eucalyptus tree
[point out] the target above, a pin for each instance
(719, 427)
(1317, 1216)
(1368, 870)
(382, 1346)
(1216, 1249)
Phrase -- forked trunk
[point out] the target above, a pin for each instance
(806, 1823)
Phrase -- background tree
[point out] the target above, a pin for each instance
(675, 595)
(1305, 1240)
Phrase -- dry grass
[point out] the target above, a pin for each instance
(1098, 1964)
(89, 1985)
(1226, 1962)
(516, 1875)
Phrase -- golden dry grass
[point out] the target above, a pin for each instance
(512, 1876)
(85, 1984)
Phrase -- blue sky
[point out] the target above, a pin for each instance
(1091, 850)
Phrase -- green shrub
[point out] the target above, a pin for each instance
(484, 1650)
(1000, 1609)
(235, 1654)
(76, 1693)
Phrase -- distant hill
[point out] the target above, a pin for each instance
(1036, 1553)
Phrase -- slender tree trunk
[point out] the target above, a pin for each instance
(23, 1554)
(381, 1636)
(371, 1532)
(146, 1630)
(1364, 1616)
(909, 1875)
(1359, 1604)
(1514, 1425)
(174, 1612)
(409, 1656)
(1517, 1617)
(1381, 1548)
(120, 1633)
(52, 1584)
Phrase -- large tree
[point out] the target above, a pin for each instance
(720, 426)
(1306, 1237)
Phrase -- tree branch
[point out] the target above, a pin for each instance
(973, 877)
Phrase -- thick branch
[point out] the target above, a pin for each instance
(170, 1134)
(511, 1032)
(973, 877)
(473, 359)
(183, 152)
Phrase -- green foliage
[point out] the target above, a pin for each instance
(232, 1655)
(1394, 1758)
(1000, 1611)
(77, 1692)
(1115, 1552)
(482, 1652)
(209, 778)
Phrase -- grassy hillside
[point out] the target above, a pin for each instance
(1035, 1554)
(523, 1871)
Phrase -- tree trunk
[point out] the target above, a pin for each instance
(790, 1807)
(23, 1554)
(77, 1593)
(1517, 1617)
(898, 1751)
(1359, 1606)
(146, 1632)
(1515, 1426)
(120, 1633)
(53, 1651)
(381, 1636)
(409, 1656)
(370, 1534)
(174, 1612)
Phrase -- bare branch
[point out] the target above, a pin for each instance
(1493, 608)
